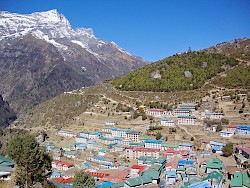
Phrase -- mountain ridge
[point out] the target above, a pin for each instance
(46, 115)
(42, 51)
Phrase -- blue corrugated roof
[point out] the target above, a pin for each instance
(200, 185)
(84, 137)
(217, 143)
(186, 144)
(119, 139)
(216, 148)
(164, 119)
(106, 183)
(244, 127)
(185, 162)
(98, 158)
(153, 141)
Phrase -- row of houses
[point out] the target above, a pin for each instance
(235, 130)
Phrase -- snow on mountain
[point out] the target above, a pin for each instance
(52, 27)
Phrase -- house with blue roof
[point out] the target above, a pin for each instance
(183, 163)
(55, 175)
(167, 122)
(186, 146)
(153, 144)
(79, 146)
(105, 184)
(81, 139)
(119, 140)
(199, 185)
(94, 135)
(171, 177)
(118, 132)
(217, 146)
(243, 130)
(84, 134)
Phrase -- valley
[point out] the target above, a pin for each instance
(90, 107)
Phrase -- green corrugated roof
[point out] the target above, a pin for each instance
(5, 161)
(136, 143)
(102, 150)
(193, 117)
(111, 145)
(154, 174)
(239, 180)
(141, 180)
(103, 138)
(70, 152)
(169, 145)
(180, 168)
(214, 163)
(145, 138)
(117, 185)
(133, 132)
(214, 175)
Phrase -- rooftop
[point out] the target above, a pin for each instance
(5, 161)
(239, 180)
(214, 163)
(244, 127)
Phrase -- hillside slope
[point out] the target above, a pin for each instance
(238, 48)
(185, 71)
(7, 115)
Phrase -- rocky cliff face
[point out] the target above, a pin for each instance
(42, 56)
(7, 115)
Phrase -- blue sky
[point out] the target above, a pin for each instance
(151, 29)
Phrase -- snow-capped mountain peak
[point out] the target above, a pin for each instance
(55, 29)
(51, 16)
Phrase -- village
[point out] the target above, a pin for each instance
(125, 157)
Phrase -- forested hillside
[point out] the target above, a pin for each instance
(179, 72)
(236, 78)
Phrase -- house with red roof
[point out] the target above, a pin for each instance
(117, 177)
(62, 165)
(135, 170)
(156, 112)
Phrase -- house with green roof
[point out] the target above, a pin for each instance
(136, 144)
(102, 152)
(67, 148)
(70, 154)
(154, 174)
(165, 146)
(240, 179)
(214, 164)
(5, 162)
(142, 138)
(6, 168)
(215, 179)
(149, 161)
(117, 185)
(191, 180)
(139, 181)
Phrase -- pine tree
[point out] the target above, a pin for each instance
(32, 161)
(158, 136)
(82, 180)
